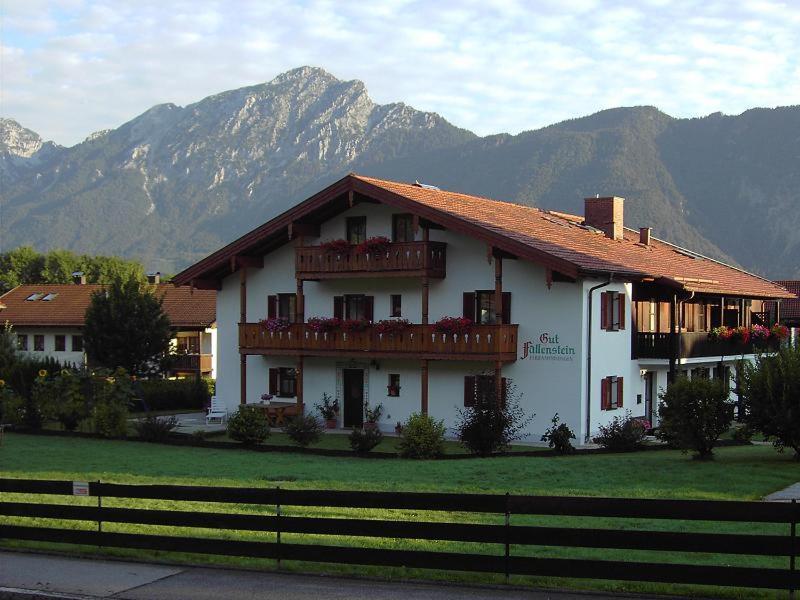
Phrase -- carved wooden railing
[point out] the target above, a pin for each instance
(483, 342)
(192, 362)
(400, 259)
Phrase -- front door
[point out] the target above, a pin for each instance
(648, 397)
(353, 384)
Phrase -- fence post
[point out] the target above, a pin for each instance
(508, 537)
(794, 548)
(278, 521)
(99, 516)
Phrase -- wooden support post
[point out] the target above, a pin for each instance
(426, 284)
(424, 390)
(673, 338)
(299, 384)
(243, 320)
(498, 290)
(498, 382)
(300, 301)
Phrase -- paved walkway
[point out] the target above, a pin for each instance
(785, 495)
(34, 576)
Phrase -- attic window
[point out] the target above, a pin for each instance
(49, 297)
(34, 297)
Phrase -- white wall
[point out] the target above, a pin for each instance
(68, 356)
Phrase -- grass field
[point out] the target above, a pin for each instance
(746, 473)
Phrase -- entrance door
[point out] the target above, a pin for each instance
(353, 384)
(649, 380)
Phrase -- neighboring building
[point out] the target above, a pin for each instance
(48, 321)
(586, 317)
(787, 312)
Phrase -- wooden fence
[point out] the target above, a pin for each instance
(505, 537)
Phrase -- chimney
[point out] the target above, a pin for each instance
(644, 236)
(154, 278)
(605, 214)
(78, 278)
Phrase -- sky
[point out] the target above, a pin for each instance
(72, 67)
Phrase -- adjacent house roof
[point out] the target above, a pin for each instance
(556, 240)
(790, 309)
(64, 305)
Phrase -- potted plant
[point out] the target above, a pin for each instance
(374, 246)
(338, 246)
(779, 332)
(392, 326)
(372, 415)
(274, 324)
(453, 325)
(323, 324)
(329, 409)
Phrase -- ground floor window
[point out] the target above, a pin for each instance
(38, 343)
(611, 393)
(22, 342)
(283, 382)
(77, 343)
(393, 389)
(61, 343)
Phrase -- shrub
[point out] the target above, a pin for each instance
(61, 399)
(12, 407)
(558, 436)
(364, 440)
(694, 413)
(156, 429)
(623, 434)
(490, 426)
(743, 434)
(303, 430)
(422, 437)
(373, 414)
(770, 388)
(328, 408)
(174, 394)
(112, 397)
(248, 425)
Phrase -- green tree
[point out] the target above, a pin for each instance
(126, 327)
(770, 388)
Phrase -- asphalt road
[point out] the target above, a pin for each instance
(34, 576)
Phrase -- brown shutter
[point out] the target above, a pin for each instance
(503, 391)
(619, 392)
(469, 306)
(469, 390)
(273, 381)
(506, 308)
(622, 311)
(604, 310)
(338, 307)
(272, 307)
(604, 394)
(369, 307)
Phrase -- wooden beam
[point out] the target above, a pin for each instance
(243, 379)
(351, 202)
(244, 262)
(498, 290)
(498, 381)
(303, 229)
(299, 384)
(206, 284)
(424, 388)
(243, 319)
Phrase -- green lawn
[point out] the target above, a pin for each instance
(737, 473)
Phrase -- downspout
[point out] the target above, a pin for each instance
(589, 360)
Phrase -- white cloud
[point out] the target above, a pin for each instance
(71, 67)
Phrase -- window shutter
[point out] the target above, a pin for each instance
(503, 391)
(338, 307)
(272, 307)
(622, 311)
(469, 390)
(604, 310)
(274, 374)
(369, 307)
(619, 392)
(469, 306)
(604, 400)
(506, 308)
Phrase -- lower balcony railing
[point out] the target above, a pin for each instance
(192, 362)
(690, 345)
(483, 342)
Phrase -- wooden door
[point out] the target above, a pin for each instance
(649, 381)
(353, 392)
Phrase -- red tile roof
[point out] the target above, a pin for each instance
(790, 309)
(556, 240)
(68, 306)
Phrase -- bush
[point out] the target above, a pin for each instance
(694, 413)
(623, 434)
(422, 437)
(490, 426)
(174, 394)
(12, 407)
(303, 430)
(558, 436)
(743, 434)
(156, 429)
(112, 397)
(364, 440)
(61, 399)
(248, 425)
(770, 389)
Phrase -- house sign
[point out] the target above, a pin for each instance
(547, 347)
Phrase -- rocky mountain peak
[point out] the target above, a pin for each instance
(18, 141)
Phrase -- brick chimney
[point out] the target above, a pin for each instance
(154, 278)
(644, 236)
(78, 278)
(605, 214)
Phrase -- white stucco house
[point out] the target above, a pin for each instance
(587, 317)
(47, 320)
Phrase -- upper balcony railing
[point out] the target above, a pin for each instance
(192, 362)
(401, 259)
(691, 345)
(483, 342)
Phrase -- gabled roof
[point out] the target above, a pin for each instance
(67, 306)
(556, 240)
(790, 309)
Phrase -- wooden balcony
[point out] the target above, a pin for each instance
(402, 259)
(483, 342)
(691, 345)
(186, 363)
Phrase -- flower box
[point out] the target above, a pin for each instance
(323, 324)
(453, 325)
(374, 246)
(355, 325)
(274, 324)
(339, 246)
(390, 326)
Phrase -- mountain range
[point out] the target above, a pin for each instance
(176, 182)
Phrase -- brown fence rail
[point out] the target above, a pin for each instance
(505, 535)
